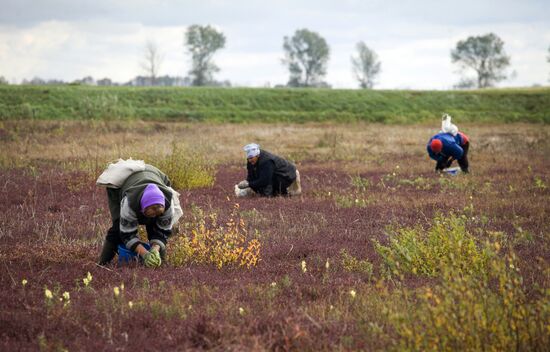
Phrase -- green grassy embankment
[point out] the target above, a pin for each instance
(271, 105)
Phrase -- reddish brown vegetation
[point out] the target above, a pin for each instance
(53, 221)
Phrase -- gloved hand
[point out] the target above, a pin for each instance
(243, 184)
(152, 259)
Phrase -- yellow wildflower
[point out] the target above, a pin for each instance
(87, 279)
(48, 294)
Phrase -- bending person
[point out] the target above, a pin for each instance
(144, 198)
(268, 175)
(444, 148)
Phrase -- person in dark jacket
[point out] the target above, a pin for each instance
(143, 199)
(444, 148)
(269, 175)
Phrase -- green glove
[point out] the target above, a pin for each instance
(152, 259)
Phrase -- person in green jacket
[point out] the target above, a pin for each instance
(143, 199)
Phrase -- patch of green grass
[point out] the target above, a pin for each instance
(421, 183)
(271, 105)
(350, 200)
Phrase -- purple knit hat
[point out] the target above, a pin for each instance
(151, 195)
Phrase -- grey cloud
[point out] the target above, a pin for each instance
(323, 12)
(147, 12)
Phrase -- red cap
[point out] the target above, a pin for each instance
(436, 145)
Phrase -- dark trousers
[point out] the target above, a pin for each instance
(463, 163)
(277, 187)
(280, 185)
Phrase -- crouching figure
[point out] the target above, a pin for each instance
(444, 148)
(144, 197)
(268, 175)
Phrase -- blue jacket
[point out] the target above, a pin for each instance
(450, 147)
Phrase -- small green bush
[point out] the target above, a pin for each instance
(472, 312)
(187, 169)
(352, 264)
(479, 302)
(446, 244)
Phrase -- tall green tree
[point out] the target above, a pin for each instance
(485, 55)
(366, 66)
(306, 56)
(202, 42)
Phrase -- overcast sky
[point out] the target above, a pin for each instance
(70, 39)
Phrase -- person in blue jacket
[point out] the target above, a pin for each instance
(444, 148)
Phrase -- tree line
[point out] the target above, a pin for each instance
(306, 56)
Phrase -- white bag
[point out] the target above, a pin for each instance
(246, 192)
(177, 212)
(447, 126)
(115, 174)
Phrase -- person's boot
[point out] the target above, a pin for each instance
(108, 252)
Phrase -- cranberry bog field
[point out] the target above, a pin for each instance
(379, 252)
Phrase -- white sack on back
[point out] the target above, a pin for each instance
(177, 212)
(447, 126)
(116, 173)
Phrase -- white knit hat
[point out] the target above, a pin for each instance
(252, 150)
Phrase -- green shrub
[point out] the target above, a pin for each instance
(187, 169)
(479, 302)
(446, 244)
(472, 312)
(352, 264)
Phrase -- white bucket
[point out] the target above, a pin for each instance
(452, 170)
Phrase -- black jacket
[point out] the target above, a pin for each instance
(269, 169)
